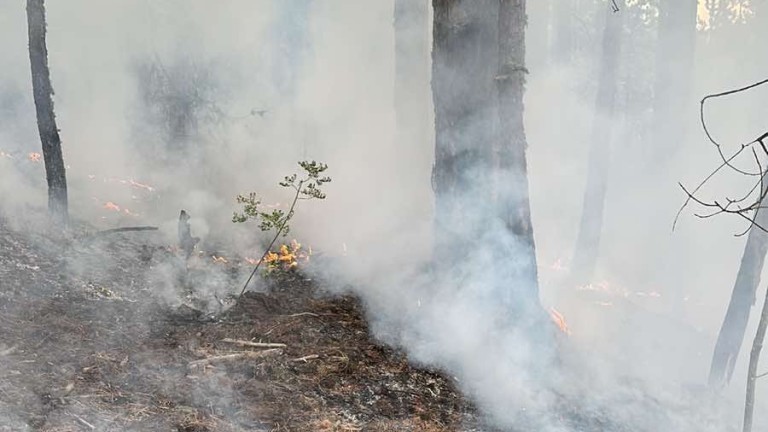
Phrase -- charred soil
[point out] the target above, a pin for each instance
(86, 344)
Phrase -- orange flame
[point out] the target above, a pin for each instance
(109, 205)
(286, 257)
(35, 156)
(559, 321)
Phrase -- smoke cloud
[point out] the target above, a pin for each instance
(255, 86)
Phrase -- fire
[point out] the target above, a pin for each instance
(219, 260)
(35, 156)
(559, 321)
(109, 205)
(286, 257)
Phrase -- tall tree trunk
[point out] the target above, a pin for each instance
(674, 112)
(465, 58)
(743, 297)
(46, 119)
(412, 72)
(754, 360)
(590, 227)
(512, 168)
(480, 172)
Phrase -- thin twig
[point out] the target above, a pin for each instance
(235, 356)
(254, 344)
(727, 162)
(82, 420)
(704, 123)
(306, 358)
(277, 235)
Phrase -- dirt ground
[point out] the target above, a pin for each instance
(87, 345)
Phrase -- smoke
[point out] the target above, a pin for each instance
(263, 84)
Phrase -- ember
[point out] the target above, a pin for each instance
(559, 320)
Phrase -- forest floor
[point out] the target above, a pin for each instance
(87, 345)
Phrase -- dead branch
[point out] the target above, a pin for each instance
(253, 344)
(82, 420)
(301, 314)
(732, 206)
(245, 355)
(126, 229)
(306, 358)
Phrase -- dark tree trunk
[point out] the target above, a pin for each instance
(743, 297)
(480, 173)
(754, 360)
(512, 168)
(465, 58)
(46, 119)
(412, 72)
(590, 227)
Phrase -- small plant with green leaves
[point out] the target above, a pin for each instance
(307, 187)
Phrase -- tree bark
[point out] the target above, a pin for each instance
(734, 326)
(46, 119)
(754, 359)
(480, 172)
(512, 191)
(591, 224)
(465, 58)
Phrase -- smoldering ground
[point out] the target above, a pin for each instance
(331, 100)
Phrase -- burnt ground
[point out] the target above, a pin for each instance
(89, 341)
(86, 344)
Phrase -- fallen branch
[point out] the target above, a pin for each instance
(82, 420)
(301, 314)
(253, 344)
(246, 355)
(126, 229)
(97, 234)
(306, 358)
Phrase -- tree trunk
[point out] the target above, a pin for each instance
(512, 168)
(480, 172)
(743, 297)
(590, 227)
(46, 119)
(465, 58)
(412, 72)
(754, 359)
